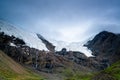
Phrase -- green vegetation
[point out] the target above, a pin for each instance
(114, 71)
(10, 70)
(111, 73)
(76, 75)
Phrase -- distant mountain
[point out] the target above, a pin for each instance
(105, 45)
(30, 39)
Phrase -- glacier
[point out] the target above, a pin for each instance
(30, 38)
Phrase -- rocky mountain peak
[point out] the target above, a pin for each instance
(105, 45)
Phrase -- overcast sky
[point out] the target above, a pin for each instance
(66, 20)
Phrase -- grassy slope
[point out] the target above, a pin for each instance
(10, 70)
(111, 73)
(114, 71)
(77, 75)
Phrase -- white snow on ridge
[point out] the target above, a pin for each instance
(30, 39)
(73, 46)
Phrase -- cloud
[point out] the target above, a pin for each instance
(67, 20)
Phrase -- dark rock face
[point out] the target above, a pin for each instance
(49, 45)
(105, 47)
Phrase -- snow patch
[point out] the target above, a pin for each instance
(12, 44)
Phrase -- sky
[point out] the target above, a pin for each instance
(64, 20)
